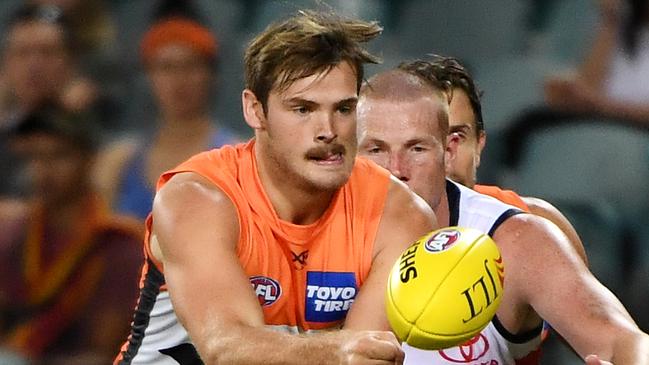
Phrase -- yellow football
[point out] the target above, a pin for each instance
(445, 288)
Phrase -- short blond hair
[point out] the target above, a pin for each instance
(408, 83)
(307, 43)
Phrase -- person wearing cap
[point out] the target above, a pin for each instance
(67, 265)
(179, 55)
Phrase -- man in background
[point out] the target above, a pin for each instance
(67, 266)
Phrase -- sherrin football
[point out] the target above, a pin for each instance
(445, 288)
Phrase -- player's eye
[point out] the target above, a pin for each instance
(301, 109)
(418, 149)
(346, 109)
(373, 150)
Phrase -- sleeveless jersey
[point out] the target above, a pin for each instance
(494, 345)
(506, 196)
(305, 276)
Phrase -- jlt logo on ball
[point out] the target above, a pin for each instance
(482, 293)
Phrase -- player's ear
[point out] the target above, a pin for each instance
(482, 141)
(452, 143)
(253, 111)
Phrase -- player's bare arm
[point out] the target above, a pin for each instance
(544, 275)
(548, 211)
(195, 233)
(406, 217)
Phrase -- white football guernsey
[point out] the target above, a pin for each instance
(494, 345)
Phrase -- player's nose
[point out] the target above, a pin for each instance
(398, 167)
(325, 129)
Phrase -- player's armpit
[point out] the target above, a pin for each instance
(406, 217)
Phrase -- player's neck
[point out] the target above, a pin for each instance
(442, 212)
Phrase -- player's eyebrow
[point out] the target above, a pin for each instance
(348, 102)
(415, 141)
(297, 100)
(375, 142)
(465, 127)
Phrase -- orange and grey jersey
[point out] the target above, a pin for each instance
(306, 277)
(494, 345)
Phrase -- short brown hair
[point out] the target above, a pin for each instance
(450, 71)
(305, 44)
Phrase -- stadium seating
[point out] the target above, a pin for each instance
(586, 160)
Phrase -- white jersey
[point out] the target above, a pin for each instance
(494, 345)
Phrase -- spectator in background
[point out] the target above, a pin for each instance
(61, 299)
(37, 68)
(91, 23)
(610, 82)
(96, 54)
(39, 64)
(179, 56)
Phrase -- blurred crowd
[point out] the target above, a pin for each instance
(98, 98)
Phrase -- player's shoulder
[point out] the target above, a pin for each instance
(189, 203)
(189, 189)
(211, 172)
(541, 207)
(528, 231)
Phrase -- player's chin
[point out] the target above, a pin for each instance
(330, 179)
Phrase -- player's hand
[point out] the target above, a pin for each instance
(370, 347)
(595, 360)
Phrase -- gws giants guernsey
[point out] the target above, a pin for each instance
(305, 277)
(494, 345)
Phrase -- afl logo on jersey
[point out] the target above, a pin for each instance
(268, 290)
(442, 240)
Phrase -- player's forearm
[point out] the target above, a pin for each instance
(252, 346)
(631, 349)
